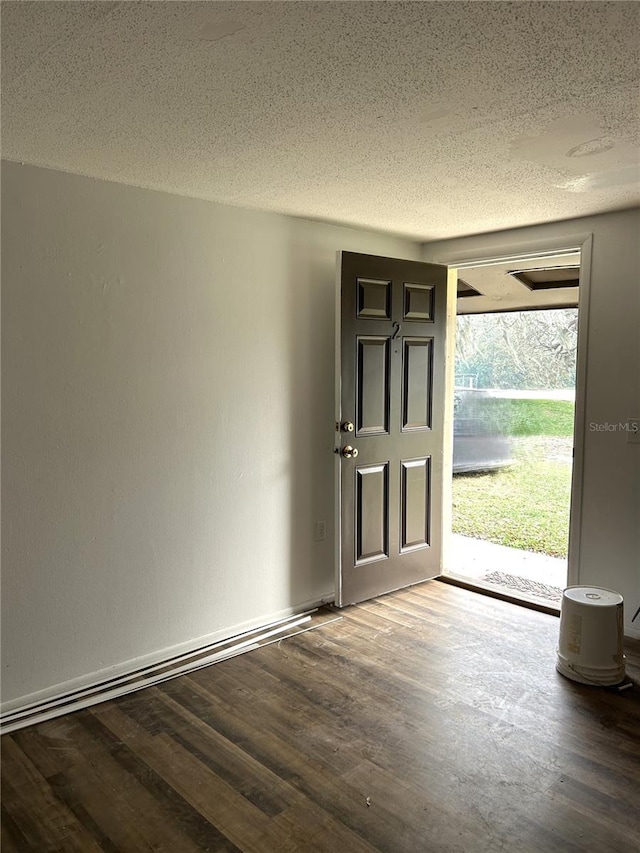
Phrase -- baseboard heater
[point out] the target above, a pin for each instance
(148, 676)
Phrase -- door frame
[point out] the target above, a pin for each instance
(537, 249)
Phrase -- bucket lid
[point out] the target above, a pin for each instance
(594, 595)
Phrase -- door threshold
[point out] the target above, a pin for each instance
(498, 592)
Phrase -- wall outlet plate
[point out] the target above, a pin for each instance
(321, 531)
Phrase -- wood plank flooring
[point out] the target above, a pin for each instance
(427, 720)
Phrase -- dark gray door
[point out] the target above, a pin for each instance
(390, 428)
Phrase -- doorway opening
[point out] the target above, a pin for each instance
(514, 410)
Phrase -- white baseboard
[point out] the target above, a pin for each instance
(99, 685)
(632, 632)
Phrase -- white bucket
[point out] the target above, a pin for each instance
(591, 647)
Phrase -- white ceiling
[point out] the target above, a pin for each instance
(430, 119)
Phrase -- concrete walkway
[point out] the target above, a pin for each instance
(475, 558)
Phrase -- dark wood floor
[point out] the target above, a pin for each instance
(427, 720)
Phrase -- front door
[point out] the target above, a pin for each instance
(390, 425)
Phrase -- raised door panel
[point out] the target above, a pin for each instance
(372, 513)
(374, 299)
(418, 302)
(417, 383)
(372, 386)
(414, 496)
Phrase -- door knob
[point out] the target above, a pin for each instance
(347, 426)
(348, 451)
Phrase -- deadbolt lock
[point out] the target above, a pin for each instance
(348, 452)
(347, 426)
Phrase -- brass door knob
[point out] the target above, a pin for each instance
(348, 452)
(347, 426)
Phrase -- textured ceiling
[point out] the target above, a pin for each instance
(430, 119)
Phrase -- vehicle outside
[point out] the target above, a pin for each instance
(480, 432)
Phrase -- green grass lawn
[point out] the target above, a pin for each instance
(525, 506)
(540, 417)
(526, 417)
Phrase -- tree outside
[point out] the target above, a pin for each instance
(532, 350)
(524, 505)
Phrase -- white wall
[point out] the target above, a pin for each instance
(168, 413)
(609, 536)
(168, 407)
